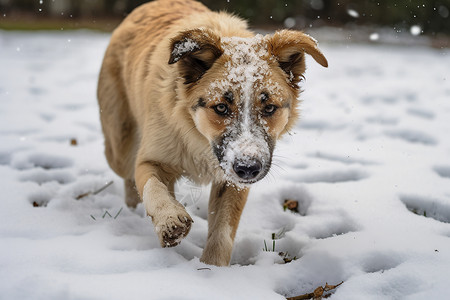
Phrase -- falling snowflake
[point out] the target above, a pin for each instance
(415, 30)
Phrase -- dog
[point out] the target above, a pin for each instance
(187, 92)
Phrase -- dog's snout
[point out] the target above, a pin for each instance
(247, 170)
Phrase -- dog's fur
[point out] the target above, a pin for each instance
(184, 91)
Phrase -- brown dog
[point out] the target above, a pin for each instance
(184, 91)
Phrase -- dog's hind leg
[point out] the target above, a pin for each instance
(226, 204)
(131, 194)
(155, 185)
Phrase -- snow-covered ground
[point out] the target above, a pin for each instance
(373, 146)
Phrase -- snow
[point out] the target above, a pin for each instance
(374, 36)
(289, 22)
(443, 11)
(372, 146)
(183, 47)
(353, 13)
(415, 30)
(247, 66)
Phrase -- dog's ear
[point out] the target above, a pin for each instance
(289, 48)
(195, 51)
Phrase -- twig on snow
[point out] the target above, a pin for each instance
(94, 192)
(318, 293)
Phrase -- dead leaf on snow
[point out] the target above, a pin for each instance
(318, 293)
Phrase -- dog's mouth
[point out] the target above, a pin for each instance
(247, 182)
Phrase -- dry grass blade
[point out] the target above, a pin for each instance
(94, 192)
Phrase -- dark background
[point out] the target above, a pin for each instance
(432, 16)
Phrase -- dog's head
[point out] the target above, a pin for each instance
(242, 93)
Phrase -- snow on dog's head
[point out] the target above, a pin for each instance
(242, 93)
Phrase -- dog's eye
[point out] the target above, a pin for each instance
(269, 110)
(221, 109)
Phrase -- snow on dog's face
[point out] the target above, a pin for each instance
(242, 93)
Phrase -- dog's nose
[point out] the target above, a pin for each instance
(247, 170)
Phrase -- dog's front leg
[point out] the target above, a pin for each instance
(155, 186)
(226, 204)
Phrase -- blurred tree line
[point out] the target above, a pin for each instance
(432, 16)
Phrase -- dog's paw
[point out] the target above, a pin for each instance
(173, 228)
